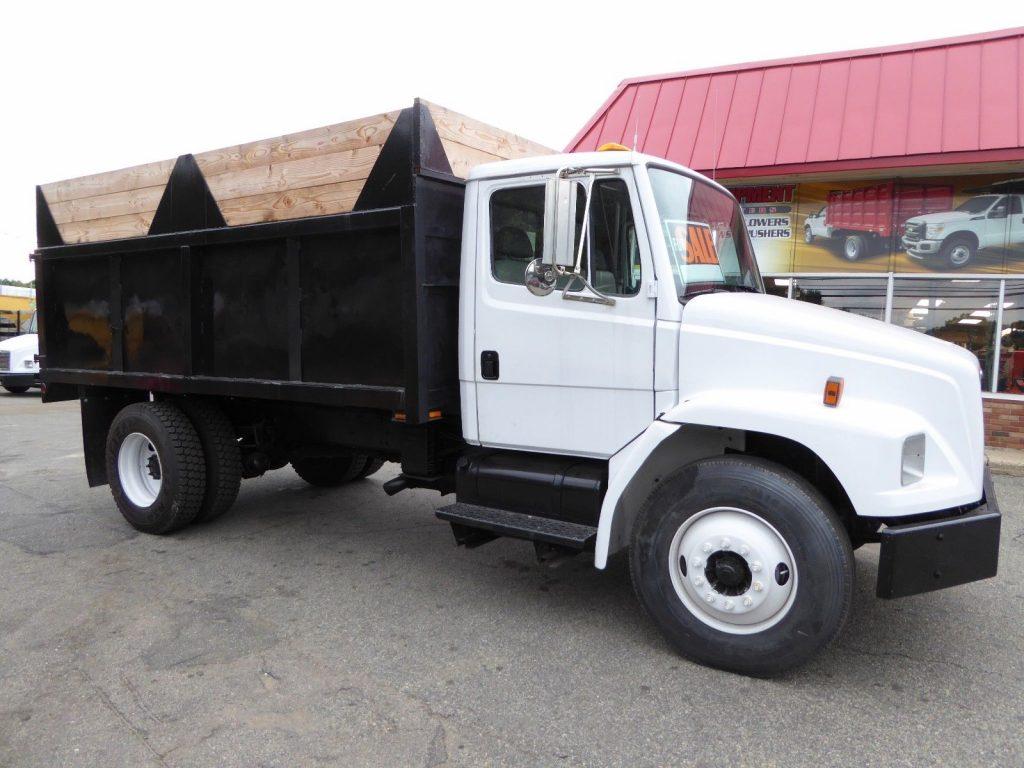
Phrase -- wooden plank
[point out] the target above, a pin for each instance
(354, 134)
(104, 206)
(130, 225)
(460, 129)
(462, 158)
(315, 171)
(136, 177)
(292, 204)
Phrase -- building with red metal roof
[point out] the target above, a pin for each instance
(887, 182)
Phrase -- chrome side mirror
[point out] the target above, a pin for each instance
(559, 221)
(540, 277)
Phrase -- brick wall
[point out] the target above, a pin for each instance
(1004, 423)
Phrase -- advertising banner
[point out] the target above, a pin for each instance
(934, 224)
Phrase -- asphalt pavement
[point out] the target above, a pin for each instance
(343, 627)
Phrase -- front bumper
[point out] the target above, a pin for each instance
(920, 249)
(940, 552)
(8, 379)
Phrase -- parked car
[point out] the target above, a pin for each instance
(955, 237)
(19, 361)
(869, 219)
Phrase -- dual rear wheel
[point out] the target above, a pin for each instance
(170, 464)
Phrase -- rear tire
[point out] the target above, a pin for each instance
(855, 247)
(330, 471)
(742, 565)
(17, 390)
(223, 458)
(155, 467)
(808, 235)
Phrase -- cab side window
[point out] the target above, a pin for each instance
(613, 249)
(517, 231)
(1015, 205)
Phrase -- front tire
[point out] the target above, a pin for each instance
(742, 565)
(808, 235)
(155, 467)
(16, 390)
(958, 252)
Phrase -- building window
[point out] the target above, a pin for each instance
(964, 312)
(1010, 374)
(777, 286)
(860, 295)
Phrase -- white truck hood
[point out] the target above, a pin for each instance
(21, 348)
(758, 362)
(943, 217)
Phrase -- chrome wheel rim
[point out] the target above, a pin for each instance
(733, 570)
(960, 255)
(852, 250)
(139, 469)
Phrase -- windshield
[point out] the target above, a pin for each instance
(978, 204)
(704, 235)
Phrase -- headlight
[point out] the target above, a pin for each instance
(912, 468)
(933, 230)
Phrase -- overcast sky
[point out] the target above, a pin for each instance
(94, 86)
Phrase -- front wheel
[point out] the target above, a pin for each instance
(742, 565)
(808, 235)
(958, 252)
(16, 390)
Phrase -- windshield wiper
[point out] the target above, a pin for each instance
(720, 288)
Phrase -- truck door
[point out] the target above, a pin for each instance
(554, 374)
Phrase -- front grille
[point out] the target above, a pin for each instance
(914, 231)
(5, 361)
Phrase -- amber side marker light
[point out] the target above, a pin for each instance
(833, 391)
(612, 146)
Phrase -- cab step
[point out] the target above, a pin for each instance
(517, 525)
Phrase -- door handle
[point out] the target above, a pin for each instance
(489, 364)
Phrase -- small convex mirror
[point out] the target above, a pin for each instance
(540, 278)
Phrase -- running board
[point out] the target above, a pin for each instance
(517, 525)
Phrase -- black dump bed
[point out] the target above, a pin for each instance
(351, 309)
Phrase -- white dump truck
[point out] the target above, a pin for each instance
(578, 347)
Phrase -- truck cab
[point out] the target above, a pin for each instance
(955, 237)
(19, 360)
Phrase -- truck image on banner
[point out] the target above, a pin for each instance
(929, 225)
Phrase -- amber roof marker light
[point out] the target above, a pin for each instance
(833, 391)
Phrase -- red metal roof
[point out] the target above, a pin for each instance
(957, 100)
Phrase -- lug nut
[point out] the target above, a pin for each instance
(709, 597)
(758, 586)
(726, 543)
(747, 602)
(755, 566)
(728, 605)
(699, 581)
(744, 550)
(698, 563)
(707, 548)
